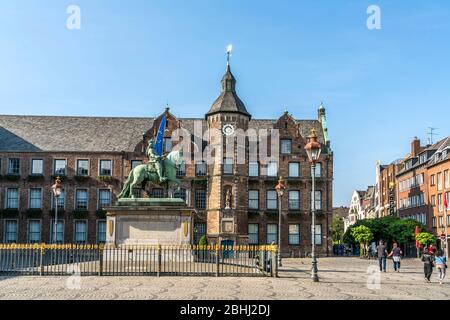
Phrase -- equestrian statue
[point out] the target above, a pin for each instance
(159, 169)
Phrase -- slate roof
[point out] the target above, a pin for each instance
(228, 100)
(97, 134)
(44, 133)
(442, 152)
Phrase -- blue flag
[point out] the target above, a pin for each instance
(160, 137)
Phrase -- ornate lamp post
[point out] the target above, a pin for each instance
(280, 191)
(313, 150)
(56, 188)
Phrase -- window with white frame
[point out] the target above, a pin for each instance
(253, 169)
(81, 199)
(101, 231)
(294, 169)
(59, 231)
(253, 233)
(167, 144)
(14, 166)
(294, 234)
(12, 198)
(104, 198)
(228, 166)
(60, 167)
(34, 231)
(272, 169)
(318, 200)
(105, 168)
(200, 199)
(318, 234)
(200, 169)
(433, 221)
(82, 167)
(253, 199)
(272, 200)
(199, 231)
(318, 173)
(294, 200)
(157, 193)
(286, 146)
(136, 192)
(180, 194)
(37, 166)
(439, 181)
(181, 170)
(11, 231)
(440, 203)
(61, 200)
(35, 198)
(272, 233)
(433, 180)
(80, 231)
(447, 179)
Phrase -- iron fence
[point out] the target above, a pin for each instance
(143, 260)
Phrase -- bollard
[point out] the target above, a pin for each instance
(41, 260)
(217, 261)
(100, 272)
(159, 261)
(274, 269)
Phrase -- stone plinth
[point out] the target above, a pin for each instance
(149, 222)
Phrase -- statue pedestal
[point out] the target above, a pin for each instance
(149, 222)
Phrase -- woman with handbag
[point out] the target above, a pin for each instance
(396, 254)
(441, 265)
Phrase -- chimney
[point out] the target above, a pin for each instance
(415, 147)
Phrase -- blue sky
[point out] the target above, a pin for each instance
(380, 87)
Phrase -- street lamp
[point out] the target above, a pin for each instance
(280, 191)
(313, 150)
(56, 188)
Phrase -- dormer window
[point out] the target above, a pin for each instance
(423, 158)
(436, 156)
(408, 165)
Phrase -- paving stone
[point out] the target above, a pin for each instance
(341, 278)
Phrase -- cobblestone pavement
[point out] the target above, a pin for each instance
(341, 278)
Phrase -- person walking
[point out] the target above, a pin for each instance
(441, 265)
(382, 254)
(427, 259)
(396, 254)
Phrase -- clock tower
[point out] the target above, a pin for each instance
(227, 214)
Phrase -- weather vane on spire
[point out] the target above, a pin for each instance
(229, 51)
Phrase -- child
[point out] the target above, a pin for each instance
(441, 265)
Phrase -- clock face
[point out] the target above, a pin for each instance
(228, 129)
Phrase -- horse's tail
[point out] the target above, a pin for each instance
(127, 185)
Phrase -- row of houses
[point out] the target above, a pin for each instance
(414, 187)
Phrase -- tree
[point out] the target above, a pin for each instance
(362, 235)
(426, 238)
(387, 228)
(203, 241)
(337, 229)
(402, 231)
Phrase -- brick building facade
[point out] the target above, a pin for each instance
(418, 183)
(94, 155)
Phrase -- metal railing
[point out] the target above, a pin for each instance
(142, 260)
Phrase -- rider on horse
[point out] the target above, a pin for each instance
(155, 161)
